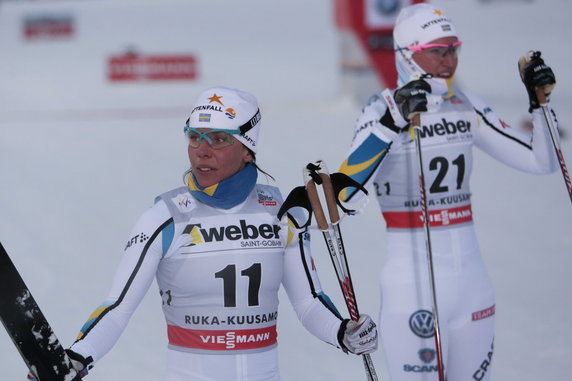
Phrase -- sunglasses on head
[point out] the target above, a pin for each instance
(440, 50)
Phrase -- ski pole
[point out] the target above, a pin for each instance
(339, 259)
(544, 105)
(416, 126)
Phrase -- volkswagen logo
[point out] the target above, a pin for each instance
(421, 323)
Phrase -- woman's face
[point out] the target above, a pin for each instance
(211, 166)
(432, 61)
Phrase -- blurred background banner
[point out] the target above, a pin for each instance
(135, 54)
(366, 42)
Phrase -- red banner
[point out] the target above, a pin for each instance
(135, 67)
(48, 27)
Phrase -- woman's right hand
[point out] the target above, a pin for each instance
(80, 364)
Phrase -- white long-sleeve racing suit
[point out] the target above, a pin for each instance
(219, 272)
(385, 161)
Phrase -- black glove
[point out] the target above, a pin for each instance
(535, 74)
(79, 363)
(411, 99)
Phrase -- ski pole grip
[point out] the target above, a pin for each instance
(415, 123)
(330, 198)
(417, 120)
(316, 205)
(540, 96)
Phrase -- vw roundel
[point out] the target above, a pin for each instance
(421, 323)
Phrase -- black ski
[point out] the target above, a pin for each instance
(28, 328)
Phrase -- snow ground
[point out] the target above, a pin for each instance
(71, 190)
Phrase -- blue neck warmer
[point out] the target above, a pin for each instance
(229, 192)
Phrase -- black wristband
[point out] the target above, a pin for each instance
(387, 121)
(341, 333)
(86, 362)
